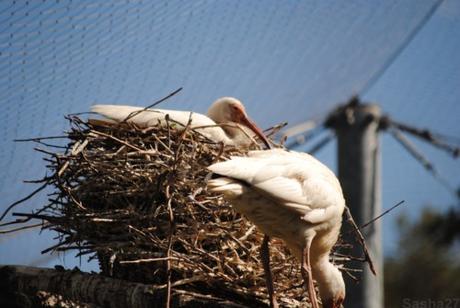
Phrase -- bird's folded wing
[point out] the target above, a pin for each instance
(285, 182)
(311, 201)
(119, 113)
(150, 117)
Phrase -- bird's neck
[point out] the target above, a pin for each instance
(329, 278)
(238, 133)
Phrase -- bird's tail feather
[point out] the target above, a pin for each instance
(231, 188)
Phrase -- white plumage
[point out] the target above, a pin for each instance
(294, 197)
(237, 128)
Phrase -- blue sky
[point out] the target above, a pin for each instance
(286, 60)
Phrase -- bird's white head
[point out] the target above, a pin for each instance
(331, 285)
(226, 109)
(230, 110)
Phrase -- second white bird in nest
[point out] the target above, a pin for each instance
(236, 128)
(294, 197)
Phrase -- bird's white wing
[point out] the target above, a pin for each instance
(150, 117)
(293, 180)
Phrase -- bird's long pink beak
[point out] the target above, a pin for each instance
(249, 123)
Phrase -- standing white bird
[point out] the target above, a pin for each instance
(294, 197)
(236, 126)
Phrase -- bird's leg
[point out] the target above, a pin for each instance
(307, 274)
(265, 256)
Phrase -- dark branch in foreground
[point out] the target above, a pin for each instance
(24, 282)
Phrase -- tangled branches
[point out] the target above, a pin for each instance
(136, 199)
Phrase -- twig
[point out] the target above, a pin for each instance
(275, 129)
(148, 260)
(22, 228)
(249, 232)
(117, 140)
(237, 126)
(168, 252)
(135, 113)
(20, 221)
(361, 240)
(23, 199)
(350, 275)
(379, 216)
(40, 138)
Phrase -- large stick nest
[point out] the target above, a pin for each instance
(136, 199)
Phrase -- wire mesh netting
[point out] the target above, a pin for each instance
(286, 60)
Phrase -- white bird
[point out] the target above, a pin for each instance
(236, 127)
(294, 197)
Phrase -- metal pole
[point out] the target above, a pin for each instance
(356, 126)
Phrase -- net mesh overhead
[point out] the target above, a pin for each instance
(59, 57)
(285, 60)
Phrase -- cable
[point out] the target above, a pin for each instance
(415, 153)
(392, 58)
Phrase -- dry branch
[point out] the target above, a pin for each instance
(91, 288)
(136, 200)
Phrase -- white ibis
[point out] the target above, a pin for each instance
(294, 197)
(236, 127)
